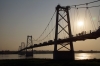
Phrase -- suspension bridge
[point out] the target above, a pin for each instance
(64, 32)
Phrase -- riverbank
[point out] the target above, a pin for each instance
(49, 62)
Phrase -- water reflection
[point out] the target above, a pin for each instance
(9, 56)
(24, 57)
(21, 56)
(82, 56)
(78, 56)
(46, 56)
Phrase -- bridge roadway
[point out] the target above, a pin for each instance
(81, 37)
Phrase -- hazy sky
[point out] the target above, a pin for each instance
(19, 18)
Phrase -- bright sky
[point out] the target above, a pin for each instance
(19, 18)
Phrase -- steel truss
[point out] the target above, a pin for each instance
(68, 26)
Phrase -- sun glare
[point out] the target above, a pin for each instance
(80, 23)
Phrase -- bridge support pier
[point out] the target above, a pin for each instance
(29, 53)
(63, 55)
(22, 53)
(67, 55)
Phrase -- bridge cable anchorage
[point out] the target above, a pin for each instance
(85, 3)
(46, 26)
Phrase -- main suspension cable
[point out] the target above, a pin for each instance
(86, 3)
(46, 26)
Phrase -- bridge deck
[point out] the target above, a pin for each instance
(92, 35)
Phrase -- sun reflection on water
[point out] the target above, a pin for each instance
(82, 56)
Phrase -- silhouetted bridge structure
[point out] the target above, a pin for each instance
(82, 37)
(69, 55)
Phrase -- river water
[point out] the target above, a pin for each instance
(78, 56)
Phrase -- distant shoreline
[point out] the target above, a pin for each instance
(45, 52)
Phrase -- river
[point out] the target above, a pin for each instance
(78, 56)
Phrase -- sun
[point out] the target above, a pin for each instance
(80, 23)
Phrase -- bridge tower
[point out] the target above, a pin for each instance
(29, 52)
(22, 47)
(19, 48)
(20, 53)
(67, 55)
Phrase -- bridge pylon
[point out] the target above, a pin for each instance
(67, 55)
(20, 48)
(29, 52)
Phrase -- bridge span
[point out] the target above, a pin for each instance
(63, 15)
(81, 37)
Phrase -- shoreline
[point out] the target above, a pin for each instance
(49, 62)
(47, 52)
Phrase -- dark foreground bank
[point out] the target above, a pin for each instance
(49, 62)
